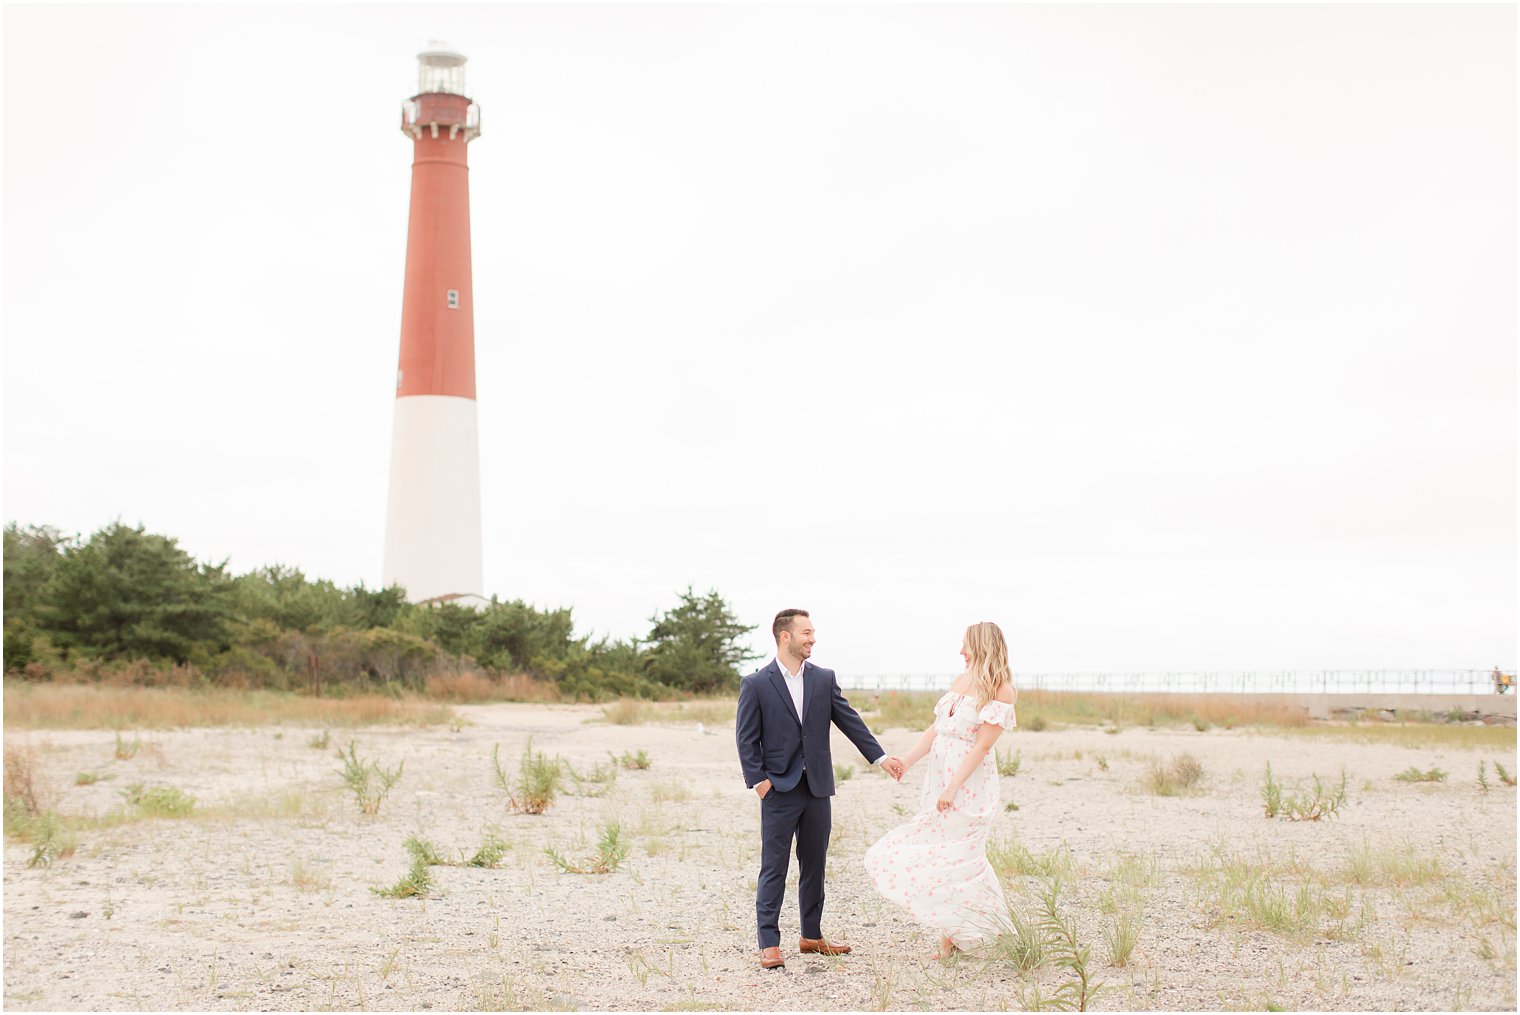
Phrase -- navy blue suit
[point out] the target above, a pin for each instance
(792, 751)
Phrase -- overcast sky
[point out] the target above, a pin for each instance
(1166, 337)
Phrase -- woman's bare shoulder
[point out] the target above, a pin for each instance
(1007, 694)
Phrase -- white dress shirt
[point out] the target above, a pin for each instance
(793, 683)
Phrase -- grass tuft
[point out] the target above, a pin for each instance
(1184, 775)
(159, 801)
(1011, 858)
(539, 778)
(1413, 774)
(419, 848)
(1020, 942)
(1504, 774)
(21, 779)
(611, 851)
(369, 783)
(1321, 803)
(491, 850)
(595, 783)
(1008, 764)
(418, 880)
(634, 761)
(1066, 952)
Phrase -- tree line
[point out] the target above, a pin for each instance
(128, 601)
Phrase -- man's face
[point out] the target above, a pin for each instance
(802, 637)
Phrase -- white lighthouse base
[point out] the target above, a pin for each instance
(432, 524)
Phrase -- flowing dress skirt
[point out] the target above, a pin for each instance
(935, 866)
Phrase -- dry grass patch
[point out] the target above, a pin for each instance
(21, 782)
(638, 712)
(1417, 735)
(1011, 859)
(470, 687)
(88, 706)
(1199, 711)
(1184, 775)
(1040, 709)
(307, 878)
(1389, 866)
(913, 710)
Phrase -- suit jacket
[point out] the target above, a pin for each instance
(776, 743)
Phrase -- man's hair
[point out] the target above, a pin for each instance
(783, 622)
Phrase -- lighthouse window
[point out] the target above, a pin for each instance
(453, 299)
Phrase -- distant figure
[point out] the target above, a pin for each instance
(935, 866)
(1503, 681)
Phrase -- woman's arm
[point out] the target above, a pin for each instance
(986, 735)
(924, 746)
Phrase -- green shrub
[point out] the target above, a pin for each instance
(697, 646)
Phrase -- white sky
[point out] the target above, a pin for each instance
(1167, 337)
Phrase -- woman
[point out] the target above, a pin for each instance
(936, 864)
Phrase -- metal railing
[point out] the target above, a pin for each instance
(1215, 682)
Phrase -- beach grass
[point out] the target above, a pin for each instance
(92, 706)
(1038, 710)
(1412, 734)
(638, 712)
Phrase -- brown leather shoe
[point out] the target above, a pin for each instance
(821, 946)
(770, 958)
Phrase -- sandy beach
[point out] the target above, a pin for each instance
(262, 898)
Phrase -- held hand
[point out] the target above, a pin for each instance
(763, 788)
(946, 800)
(893, 767)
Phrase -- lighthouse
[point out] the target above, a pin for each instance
(432, 526)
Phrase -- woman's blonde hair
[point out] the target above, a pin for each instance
(989, 661)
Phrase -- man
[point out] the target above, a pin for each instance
(783, 734)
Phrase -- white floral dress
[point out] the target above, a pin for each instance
(936, 865)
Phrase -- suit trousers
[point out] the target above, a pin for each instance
(798, 814)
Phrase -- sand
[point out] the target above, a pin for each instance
(263, 901)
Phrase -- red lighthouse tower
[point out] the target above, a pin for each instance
(432, 532)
